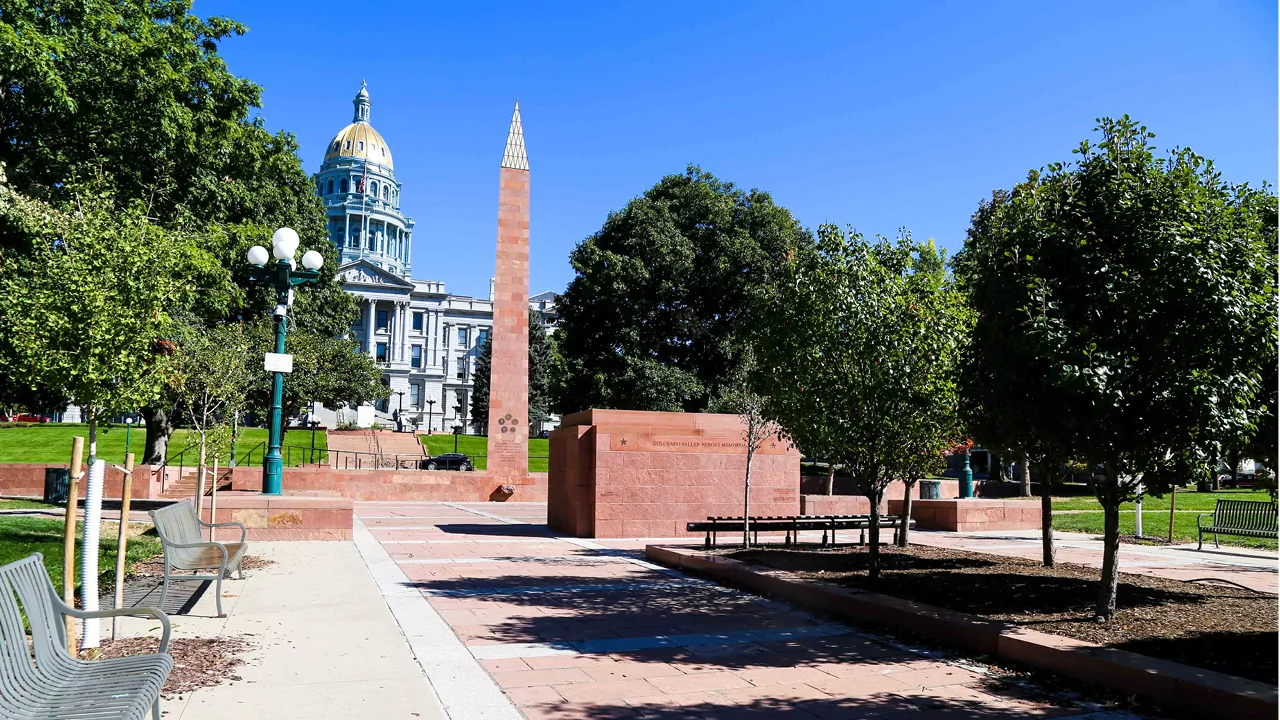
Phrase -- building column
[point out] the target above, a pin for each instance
(402, 335)
(369, 343)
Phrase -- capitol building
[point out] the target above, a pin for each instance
(425, 339)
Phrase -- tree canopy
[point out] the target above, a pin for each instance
(1127, 311)
(132, 100)
(652, 319)
(857, 349)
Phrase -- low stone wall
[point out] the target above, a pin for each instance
(817, 503)
(27, 480)
(972, 514)
(406, 485)
(283, 517)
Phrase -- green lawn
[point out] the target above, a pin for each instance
(1155, 516)
(20, 536)
(50, 444)
(477, 447)
(27, 505)
(1187, 500)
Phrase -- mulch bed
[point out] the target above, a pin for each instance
(154, 567)
(197, 662)
(1221, 628)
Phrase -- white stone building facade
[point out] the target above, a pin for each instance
(425, 339)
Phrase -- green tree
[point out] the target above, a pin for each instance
(135, 96)
(78, 318)
(858, 347)
(211, 379)
(737, 397)
(542, 363)
(652, 319)
(1139, 275)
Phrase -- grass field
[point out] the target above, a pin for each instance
(1155, 516)
(22, 535)
(50, 444)
(477, 447)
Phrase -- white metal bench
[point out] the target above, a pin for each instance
(184, 549)
(40, 679)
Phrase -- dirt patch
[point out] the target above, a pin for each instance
(197, 662)
(1209, 626)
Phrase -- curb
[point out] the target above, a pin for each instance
(1188, 690)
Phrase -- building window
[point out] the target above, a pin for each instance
(462, 368)
(361, 146)
(462, 338)
(416, 360)
(374, 188)
(346, 146)
(344, 185)
(383, 321)
(483, 337)
(381, 354)
(330, 188)
(385, 196)
(415, 395)
(417, 321)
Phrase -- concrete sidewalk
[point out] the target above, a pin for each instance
(324, 643)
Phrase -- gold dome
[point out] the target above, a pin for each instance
(360, 140)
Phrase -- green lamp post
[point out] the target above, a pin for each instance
(282, 275)
(966, 477)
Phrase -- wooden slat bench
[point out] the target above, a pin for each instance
(792, 525)
(40, 679)
(1246, 518)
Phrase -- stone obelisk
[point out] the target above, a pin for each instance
(509, 371)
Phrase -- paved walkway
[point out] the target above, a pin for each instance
(509, 620)
(324, 644)
(1251, 567)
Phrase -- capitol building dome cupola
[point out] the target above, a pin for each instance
(361, 195)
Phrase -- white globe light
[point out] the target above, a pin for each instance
(258, 255)
(312, 260)
(284, 243)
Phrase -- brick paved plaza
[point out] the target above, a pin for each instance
(569, 628)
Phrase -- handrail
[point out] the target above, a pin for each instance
(247, 458)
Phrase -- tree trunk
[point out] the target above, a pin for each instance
(905, 517)
(873, 533)
(1234, 459)
(1106, 608)
(746, 505)
(831, 478)
(1046, 517)
(160, 425)
(1026, 476)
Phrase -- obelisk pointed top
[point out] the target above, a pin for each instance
(515, 156)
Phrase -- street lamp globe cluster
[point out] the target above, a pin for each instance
(282, 275)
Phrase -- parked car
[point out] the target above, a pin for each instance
(447, 461)
(27, 418)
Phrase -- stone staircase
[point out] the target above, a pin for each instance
(184, 485)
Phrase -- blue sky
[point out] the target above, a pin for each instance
(876, 115)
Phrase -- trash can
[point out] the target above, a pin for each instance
(930, 489)
(57, 485)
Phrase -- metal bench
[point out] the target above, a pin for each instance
(792, 525)
(40, 679)
(179, 530)
(1247, 518)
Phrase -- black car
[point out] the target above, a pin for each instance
(448, 461)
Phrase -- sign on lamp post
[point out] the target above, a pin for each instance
(283, 275)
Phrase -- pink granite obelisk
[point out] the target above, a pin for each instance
(509, 371)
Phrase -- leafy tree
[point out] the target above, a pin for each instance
(135, 96)
(541, 365)
(858, 345)
(1133, 276)
(737, 398)
(77, 316)
(652, 319)
(211, 379)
